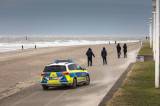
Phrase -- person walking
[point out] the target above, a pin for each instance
(118, 50)
(104, 55)
(115, 42)
(35, 46)
(22, 47)
(90, 54)
(125, 50)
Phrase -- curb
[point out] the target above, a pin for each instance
(115, 87)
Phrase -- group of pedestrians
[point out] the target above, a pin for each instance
(124, 50)
(90, 54)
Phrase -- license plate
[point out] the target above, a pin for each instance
(53, 78)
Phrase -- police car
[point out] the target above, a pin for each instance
(64, 73)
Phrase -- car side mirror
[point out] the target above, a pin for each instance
(83, 68)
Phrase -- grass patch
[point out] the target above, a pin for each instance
(146, 50)
(138, 89)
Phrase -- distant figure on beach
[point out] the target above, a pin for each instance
(118, 50)
(147, 38)
(35, 46)
(115, 42)
(104, 55)
(109, 42)
(125, 50)
(89, 54)
(22, 47)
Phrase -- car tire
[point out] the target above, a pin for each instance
(45, 87)
(74, 84)
(87, 80)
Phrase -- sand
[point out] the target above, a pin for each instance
(20, 69)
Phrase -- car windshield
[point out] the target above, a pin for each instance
(55, 68)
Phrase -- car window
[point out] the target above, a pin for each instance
(72, 67)
(78, 67)
(55, 68)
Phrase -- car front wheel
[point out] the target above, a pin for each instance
(87, 80)
(45, 87)
(74, 84)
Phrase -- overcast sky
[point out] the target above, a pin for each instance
(74, 17)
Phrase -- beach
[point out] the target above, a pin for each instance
(21, 69)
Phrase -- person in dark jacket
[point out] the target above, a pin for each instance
(35, 46)
(125, 50)
(104, 55)
(118, 50)
(89, 54)
(22, 47)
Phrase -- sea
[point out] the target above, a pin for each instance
(15, 43)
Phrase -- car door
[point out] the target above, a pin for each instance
(82, 72)
(77, 72)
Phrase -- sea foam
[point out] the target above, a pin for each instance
(5, 47)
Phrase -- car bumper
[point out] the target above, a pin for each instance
(55, 84)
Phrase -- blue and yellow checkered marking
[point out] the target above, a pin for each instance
(57, 78)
